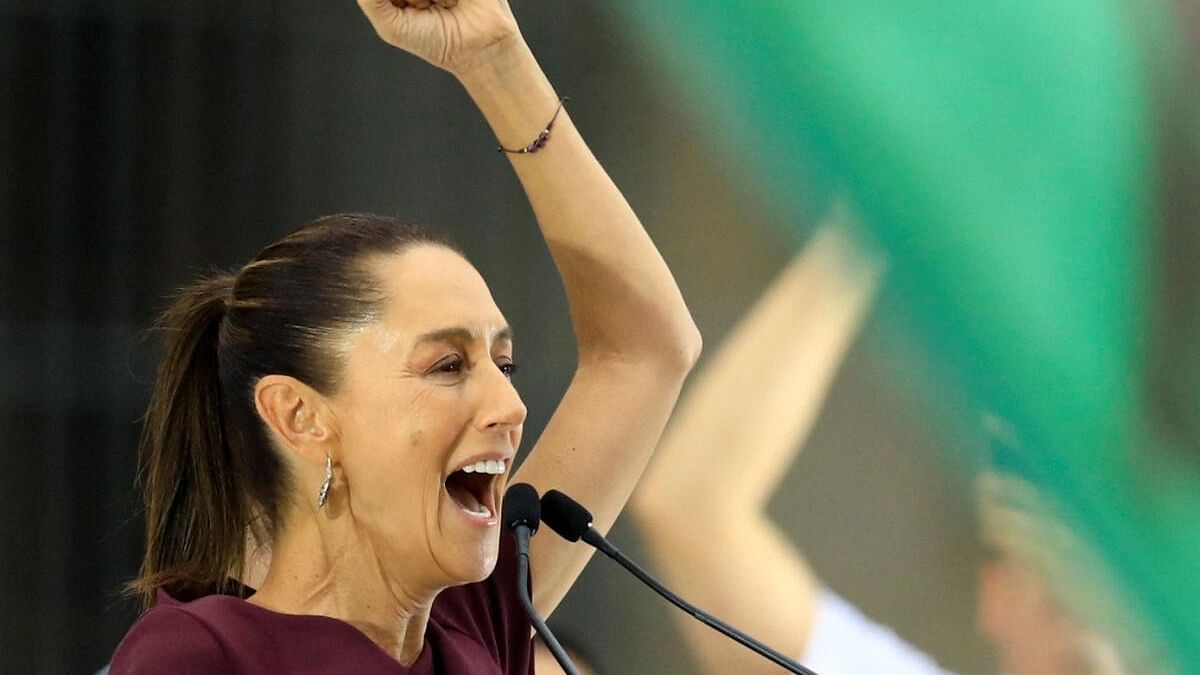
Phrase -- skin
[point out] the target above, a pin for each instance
(1020, 617)
(544, 662)
(424, 389)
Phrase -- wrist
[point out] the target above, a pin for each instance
(500, 60)
(510, 89)
(506, 74)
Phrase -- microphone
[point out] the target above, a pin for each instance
(521, 513)
(573, 522)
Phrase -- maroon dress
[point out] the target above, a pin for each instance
(477, 629)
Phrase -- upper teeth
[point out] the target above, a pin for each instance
(485, 466)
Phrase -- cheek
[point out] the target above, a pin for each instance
(382, 456)
(396, 443)
(385, 426)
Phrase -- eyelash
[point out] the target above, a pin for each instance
(454, 366)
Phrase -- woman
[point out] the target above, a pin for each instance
(346, 395)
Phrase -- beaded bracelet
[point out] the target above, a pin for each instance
(539, 142)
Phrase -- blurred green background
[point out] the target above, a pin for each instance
(1031, 170)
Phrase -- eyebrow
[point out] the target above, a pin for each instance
(459, 334)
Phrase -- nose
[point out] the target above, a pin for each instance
(502, 407)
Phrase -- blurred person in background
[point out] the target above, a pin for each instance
(702, 505)
(346, 397)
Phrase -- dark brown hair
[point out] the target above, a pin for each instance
(207, 470)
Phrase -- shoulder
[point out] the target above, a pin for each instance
(169, 639)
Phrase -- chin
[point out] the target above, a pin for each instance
(471, 564)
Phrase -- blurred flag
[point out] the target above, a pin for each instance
(1011, 160)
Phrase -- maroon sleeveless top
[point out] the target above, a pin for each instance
(476, 629)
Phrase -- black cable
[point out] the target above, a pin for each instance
(596, 539)
(539, 624)
(572, 522)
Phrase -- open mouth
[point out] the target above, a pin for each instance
(471, 487)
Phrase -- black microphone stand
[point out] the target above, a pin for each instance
(522, 533)
(522, 515)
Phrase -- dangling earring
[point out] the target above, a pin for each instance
(323, 494)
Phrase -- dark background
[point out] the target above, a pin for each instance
(142, 144)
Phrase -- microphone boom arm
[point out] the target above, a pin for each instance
(597, 540)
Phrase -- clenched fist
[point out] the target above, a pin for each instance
(454, 35)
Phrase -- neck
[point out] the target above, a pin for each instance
(339, 575)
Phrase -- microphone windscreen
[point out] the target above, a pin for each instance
(521, 507)
(565, 516)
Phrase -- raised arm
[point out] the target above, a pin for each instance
(701, 505)
(636, 339)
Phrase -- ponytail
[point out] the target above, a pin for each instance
(196, 510)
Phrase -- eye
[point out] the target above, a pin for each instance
(508, 368)
(450, 365)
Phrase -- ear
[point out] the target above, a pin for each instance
(298, 416)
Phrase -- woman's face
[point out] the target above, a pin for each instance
(428, 420)
(1019, 616)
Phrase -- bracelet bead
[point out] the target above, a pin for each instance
(542, 138)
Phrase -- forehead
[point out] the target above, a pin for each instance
(430, 287)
